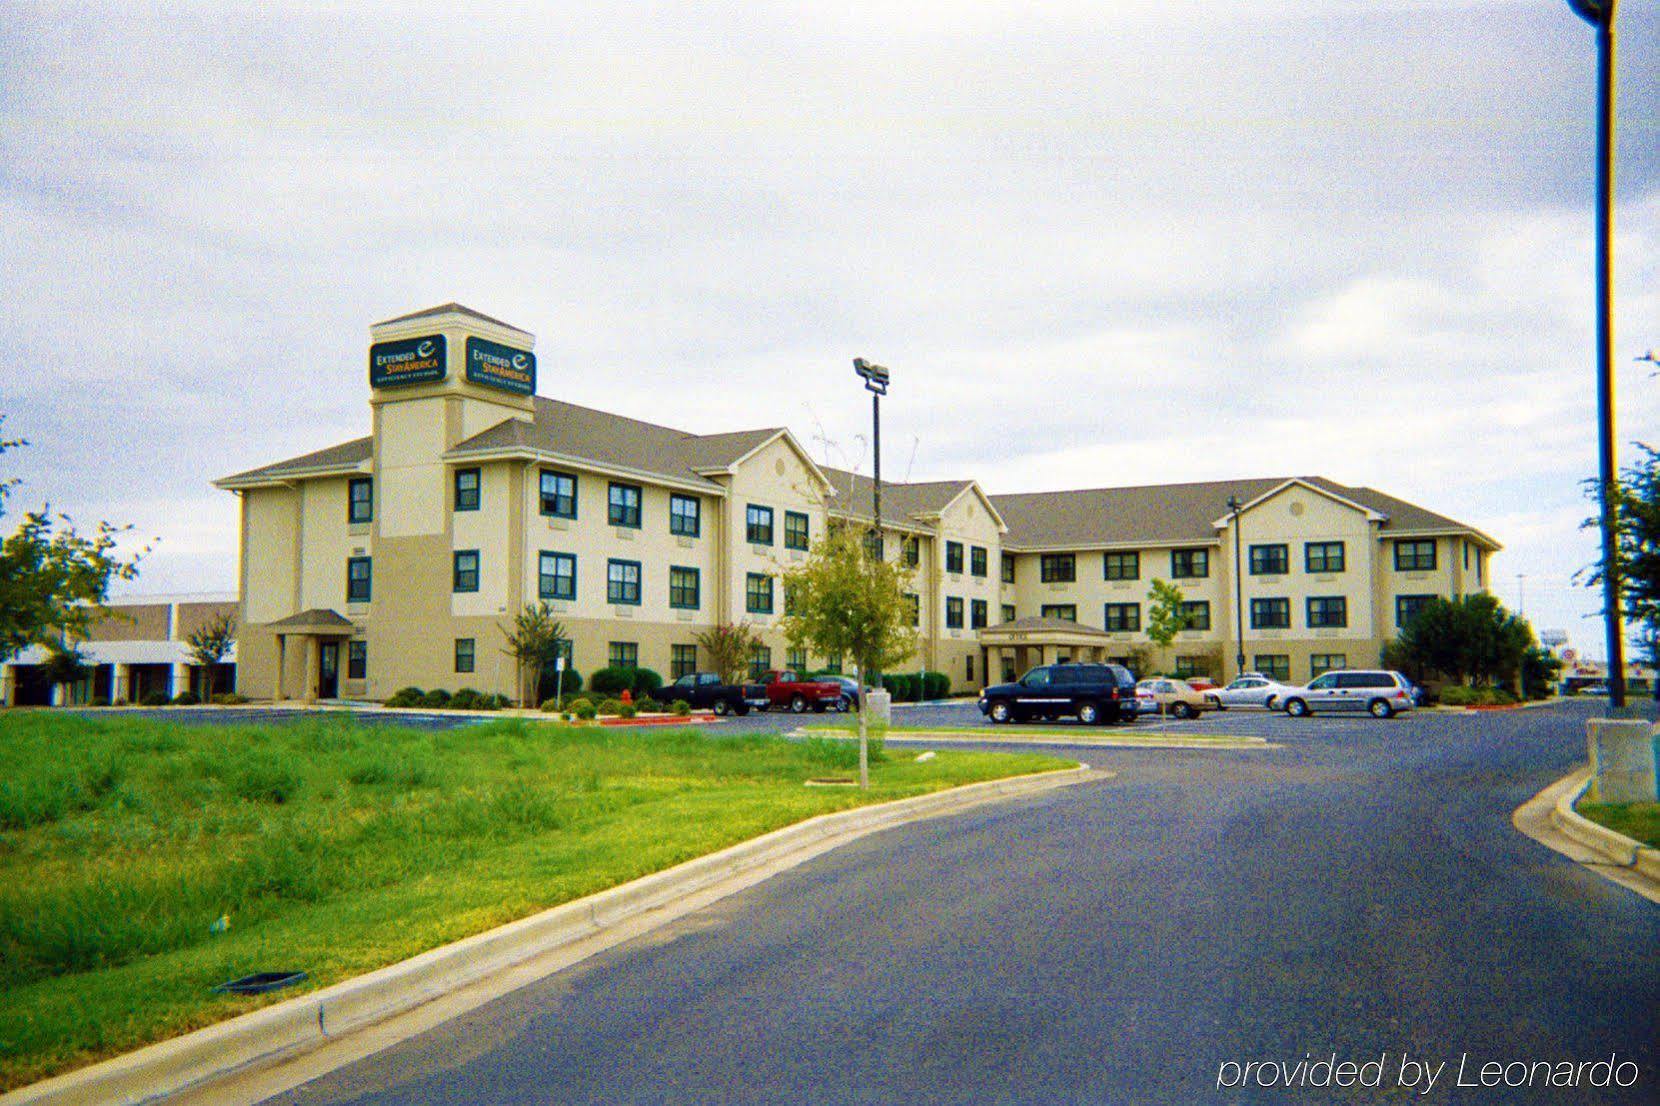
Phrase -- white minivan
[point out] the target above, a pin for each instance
(1380, 693)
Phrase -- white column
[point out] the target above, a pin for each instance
(121, 683)
(179, 679)
(8, 684)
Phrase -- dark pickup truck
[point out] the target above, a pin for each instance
(1090, 692)
(704, 691)
(786, 689)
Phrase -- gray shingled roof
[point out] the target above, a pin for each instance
(899, 501)
(1159, 513)
(354, 452)
(608, 439)
(446, 309)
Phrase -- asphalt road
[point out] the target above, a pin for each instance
(1357, 891)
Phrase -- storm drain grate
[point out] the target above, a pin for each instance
(261, 982)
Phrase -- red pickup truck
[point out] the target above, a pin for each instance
(785, 689)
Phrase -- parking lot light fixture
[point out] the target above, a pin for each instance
(1234, 507)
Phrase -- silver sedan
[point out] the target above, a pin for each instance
(1251, 690)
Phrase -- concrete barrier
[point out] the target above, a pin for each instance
(305, 1022)
(1623, 754)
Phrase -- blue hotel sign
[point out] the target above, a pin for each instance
(407, 361)
(497, 366)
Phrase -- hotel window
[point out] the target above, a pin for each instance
(1276, 666)
(1323, 556)
(357, 660)
(910, 551)
(1415, 556)
(360, 500)
(1058, 568)
(684, 588)
(558, 494)
(466, 654)
(1190, 564)
(760, 661)
(953, 612)
(1192, 666)
(913, 608)
(977, 614)
(1325, 662)
(796, 661)
(797, 533)
(622, 582)
(1006, 566)
(464, 572)
(833, 664)
(1270, 614)
(758, 593)
(1122, 618)
(625, 654)
(1067, 611)
(1008, 612)
(467, 489)
(358, 573)
(556, 576)
(953, 556)
(682, 660)
(624, 505)
(875, 548)
(1270, 560)
(976, 560)
(1196, 614)
(1408, 606)
(1327, 611)
(685, 516)
(1121, 566)
(758, 525)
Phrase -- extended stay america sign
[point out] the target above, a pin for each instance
(407, 361)
(497, 366)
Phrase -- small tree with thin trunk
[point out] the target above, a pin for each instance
(64, 666)
(726, 648)
(535, 641)
(842, 600)
(208, 645)
(1164, 613)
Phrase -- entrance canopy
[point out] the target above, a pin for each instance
(1035, 641)
(312, 627)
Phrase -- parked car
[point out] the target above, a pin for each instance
(1593, 689)
(704, 691)
(783, 689)
(1091, 693)
(1176, 699)
(851, 695)
(1201, 683)
(1381, 693)
(1145, 701)
(1253, 689)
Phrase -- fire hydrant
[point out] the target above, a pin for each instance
(627, 697)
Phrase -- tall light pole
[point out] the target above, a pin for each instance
(876, 383)
(1234, 506)
(1600, 14)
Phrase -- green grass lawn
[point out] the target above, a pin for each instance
(336, 848)
(1638, 821)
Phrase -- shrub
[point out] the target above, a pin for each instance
(437, 697)
(187, 699)
(646, 681)
(153, 699)
(611, 681)
(406, 697)
(609, 706)
(578, 703)
(681, 708)
(229, 699)
(549, 706)
(584, 710)
(1457, 695)
(97, 701)
(905, 688)
(935, 685)
(645, 704)
(627, 710)
(466, 699)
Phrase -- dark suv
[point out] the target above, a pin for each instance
(1091, 692)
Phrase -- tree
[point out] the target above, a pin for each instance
(1469, 638)
(53, 578)
(208, 645)
(1164, 613)
(843, 601)
(1636, 548)
(64, 665)
(535, 641)
(726, 648)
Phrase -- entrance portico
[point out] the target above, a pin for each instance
(1035, 641)
(320, 632)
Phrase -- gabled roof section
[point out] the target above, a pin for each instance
(1324, 487)
(346, 457)
(746, 444)
(448, 309)
(916, 502)
(979, 493)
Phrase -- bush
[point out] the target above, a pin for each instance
(904, 687)
(1457, 695)
(551, 706)
(437, 697)
(187, 699)
(584, 710)
(153, 699)
(627, 710)
(645, 704)
(611, 681)
(406, 697)
(935, 685)
(466, 699)
(646, 681)
(97, 701)
(578, 703)
(229, 699)
(681, 708)
(609, 706)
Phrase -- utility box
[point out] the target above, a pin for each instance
(1623, 758)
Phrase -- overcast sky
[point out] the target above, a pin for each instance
(1097, 243)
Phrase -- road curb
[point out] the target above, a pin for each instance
(1082, 741)
(1550, 819)
(1616, 847)
(290, 1028)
